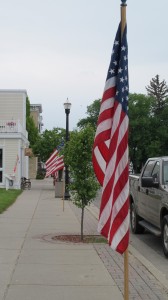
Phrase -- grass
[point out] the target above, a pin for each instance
(94, 239)
(7, 198)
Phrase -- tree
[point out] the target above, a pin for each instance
(78, 156)
(148, 134)
(93, 113)
(158, 90)
(32, 130)
(48, 141)
(140, 130)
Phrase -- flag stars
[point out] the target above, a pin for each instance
(115, 63)
(120, 70)
(123, 48)
(121, 79)
(112, 71)
(116, 43)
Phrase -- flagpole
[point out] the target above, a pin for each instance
(63, 186)
(123, 15)
(126, 271)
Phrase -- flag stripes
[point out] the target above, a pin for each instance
(110, 149)
(54, 163)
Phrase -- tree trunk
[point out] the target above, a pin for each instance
(82, 218)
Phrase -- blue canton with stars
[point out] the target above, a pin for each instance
(119, 68)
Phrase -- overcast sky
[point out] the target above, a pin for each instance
(61, 48)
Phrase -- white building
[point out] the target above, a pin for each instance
(13, 137)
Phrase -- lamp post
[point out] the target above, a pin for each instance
(67, 107)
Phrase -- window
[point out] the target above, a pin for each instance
(156, 172)
(165, 172)
(148, 169)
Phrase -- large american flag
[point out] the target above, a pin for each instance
(54, 163)
(110, 149)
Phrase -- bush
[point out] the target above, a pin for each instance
(40, 175)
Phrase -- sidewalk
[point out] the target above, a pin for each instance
(33, 266)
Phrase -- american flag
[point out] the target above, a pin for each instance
(110, 149)
(15, 167)
(54, 163)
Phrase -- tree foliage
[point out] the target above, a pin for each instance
(78, 156)
(139, 128)
(148, 134)
(92, 112)
(48, 141)
(32, 130)
(159, 90)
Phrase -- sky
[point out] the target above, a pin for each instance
(59, 49)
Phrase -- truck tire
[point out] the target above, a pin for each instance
(134, 218)
(165, 235)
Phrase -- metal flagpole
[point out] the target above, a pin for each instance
(126, 271)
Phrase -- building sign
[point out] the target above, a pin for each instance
(28, 152)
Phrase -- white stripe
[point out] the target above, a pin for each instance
(111, 166)
(54, 161)
(100, 160)
(48, 166)
(110, 83)
(122, 230)
(109, 103)
(108, 173)
(107, 209)
(53, 154)
(103, 126)
(55, 168)
(119, 203)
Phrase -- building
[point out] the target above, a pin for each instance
(35, 112)
(14, 164)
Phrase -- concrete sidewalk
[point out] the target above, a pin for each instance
(33, 266)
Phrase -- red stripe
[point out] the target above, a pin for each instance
(99, 172)
(109, 93)
(105, 115)
(122, 246)
(113, 173)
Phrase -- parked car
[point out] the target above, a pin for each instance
(149, 199)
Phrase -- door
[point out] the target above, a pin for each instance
(154, 197)
(143, 193)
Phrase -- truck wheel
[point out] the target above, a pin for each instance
(135, 226)
(165, 235)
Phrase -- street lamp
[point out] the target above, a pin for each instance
(67, 107)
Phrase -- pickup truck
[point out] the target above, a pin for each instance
(149, 200)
